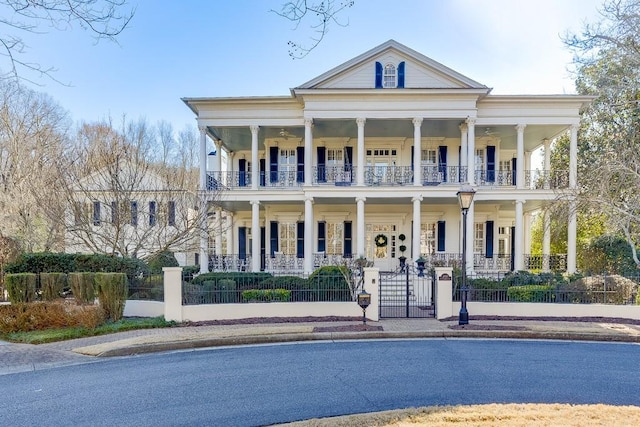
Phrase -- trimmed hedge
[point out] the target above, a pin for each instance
(112, 294)
(266, 295)
(49, 262)
(82, 287)
(531, 293)
(242, 279)
(21, 287)
(52, 285)
(22, 317)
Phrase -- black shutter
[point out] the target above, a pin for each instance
(488, 244)
(242, 242)
(442, 162)
(491, 163)
(300, 240)
(513, 247)
(263, 167)
(378, 75)
(348, 163)
(263, 249)
(401, 75)
(322, 236)
(242, 172)
(300, 158)
(412, 162)
(273, 238)
(514, 167)
(441, 236)
(322, 173)
(347, 246)
(273, 164)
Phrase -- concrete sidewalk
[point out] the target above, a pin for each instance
(25, 357)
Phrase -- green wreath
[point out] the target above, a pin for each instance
(381, 240)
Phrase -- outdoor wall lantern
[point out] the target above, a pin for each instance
(364, 300)
(465, 197)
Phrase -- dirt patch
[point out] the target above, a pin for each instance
(348, 328)
(263, 320)
(476, 327)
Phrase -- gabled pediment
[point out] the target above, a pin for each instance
(418, 71)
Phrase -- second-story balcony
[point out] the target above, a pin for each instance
(376, 176)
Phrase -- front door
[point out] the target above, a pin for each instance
(382, 242)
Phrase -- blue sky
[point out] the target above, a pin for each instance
(197, 48)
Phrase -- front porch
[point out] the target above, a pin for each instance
(291, 264)
(387, 176)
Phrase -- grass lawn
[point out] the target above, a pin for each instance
(52, 335)
(512, 415)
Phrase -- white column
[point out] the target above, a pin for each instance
(219, 228)
(572, 237)
(518, 258)
(219, 157)
(360, 233)
(255, 236)
(520, 156)
(463, 151)
(470, 236)
(573, 158)
(230, 250)
(417, 220)
(203, 157)
(204, 237)
(255, 164)
(360, 175)
(417, 152)
(546, 239)
(547, 163)
(308, 235)
(308, 151)
(471, 151)
(527, 233)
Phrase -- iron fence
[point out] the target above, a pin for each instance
(549, 288)
(148, 287)
(221, 288)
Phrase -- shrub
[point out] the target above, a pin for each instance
(149, 288)
(530, 293)
(603, 289)
(242, 279)
(52, 285)
(266, 295)
(21, 287)
(189, 271)
(82, 287)
(162, 259)
(328, 284)
(222, 291)
(23, 317)
(112, 294)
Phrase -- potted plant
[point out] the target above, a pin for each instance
(402, 258)
(420, 262)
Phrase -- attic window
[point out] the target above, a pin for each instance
(389, 76)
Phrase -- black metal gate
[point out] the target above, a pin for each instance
(407, 292)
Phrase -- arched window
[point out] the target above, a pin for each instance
(389, 76)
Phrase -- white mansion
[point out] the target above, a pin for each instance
(366, 160)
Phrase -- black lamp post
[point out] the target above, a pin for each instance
(364, 300)
(465, 197)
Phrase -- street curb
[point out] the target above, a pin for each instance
(130, 350)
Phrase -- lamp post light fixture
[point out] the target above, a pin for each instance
(364, 300)
(465, 198)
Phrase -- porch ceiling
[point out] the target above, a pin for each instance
(239, 138)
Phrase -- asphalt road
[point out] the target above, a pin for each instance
(261, 385)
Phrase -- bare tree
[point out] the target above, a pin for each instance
(607, 59)
(319, 13)
(33, 132)
(130, 191)
(104, 19)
